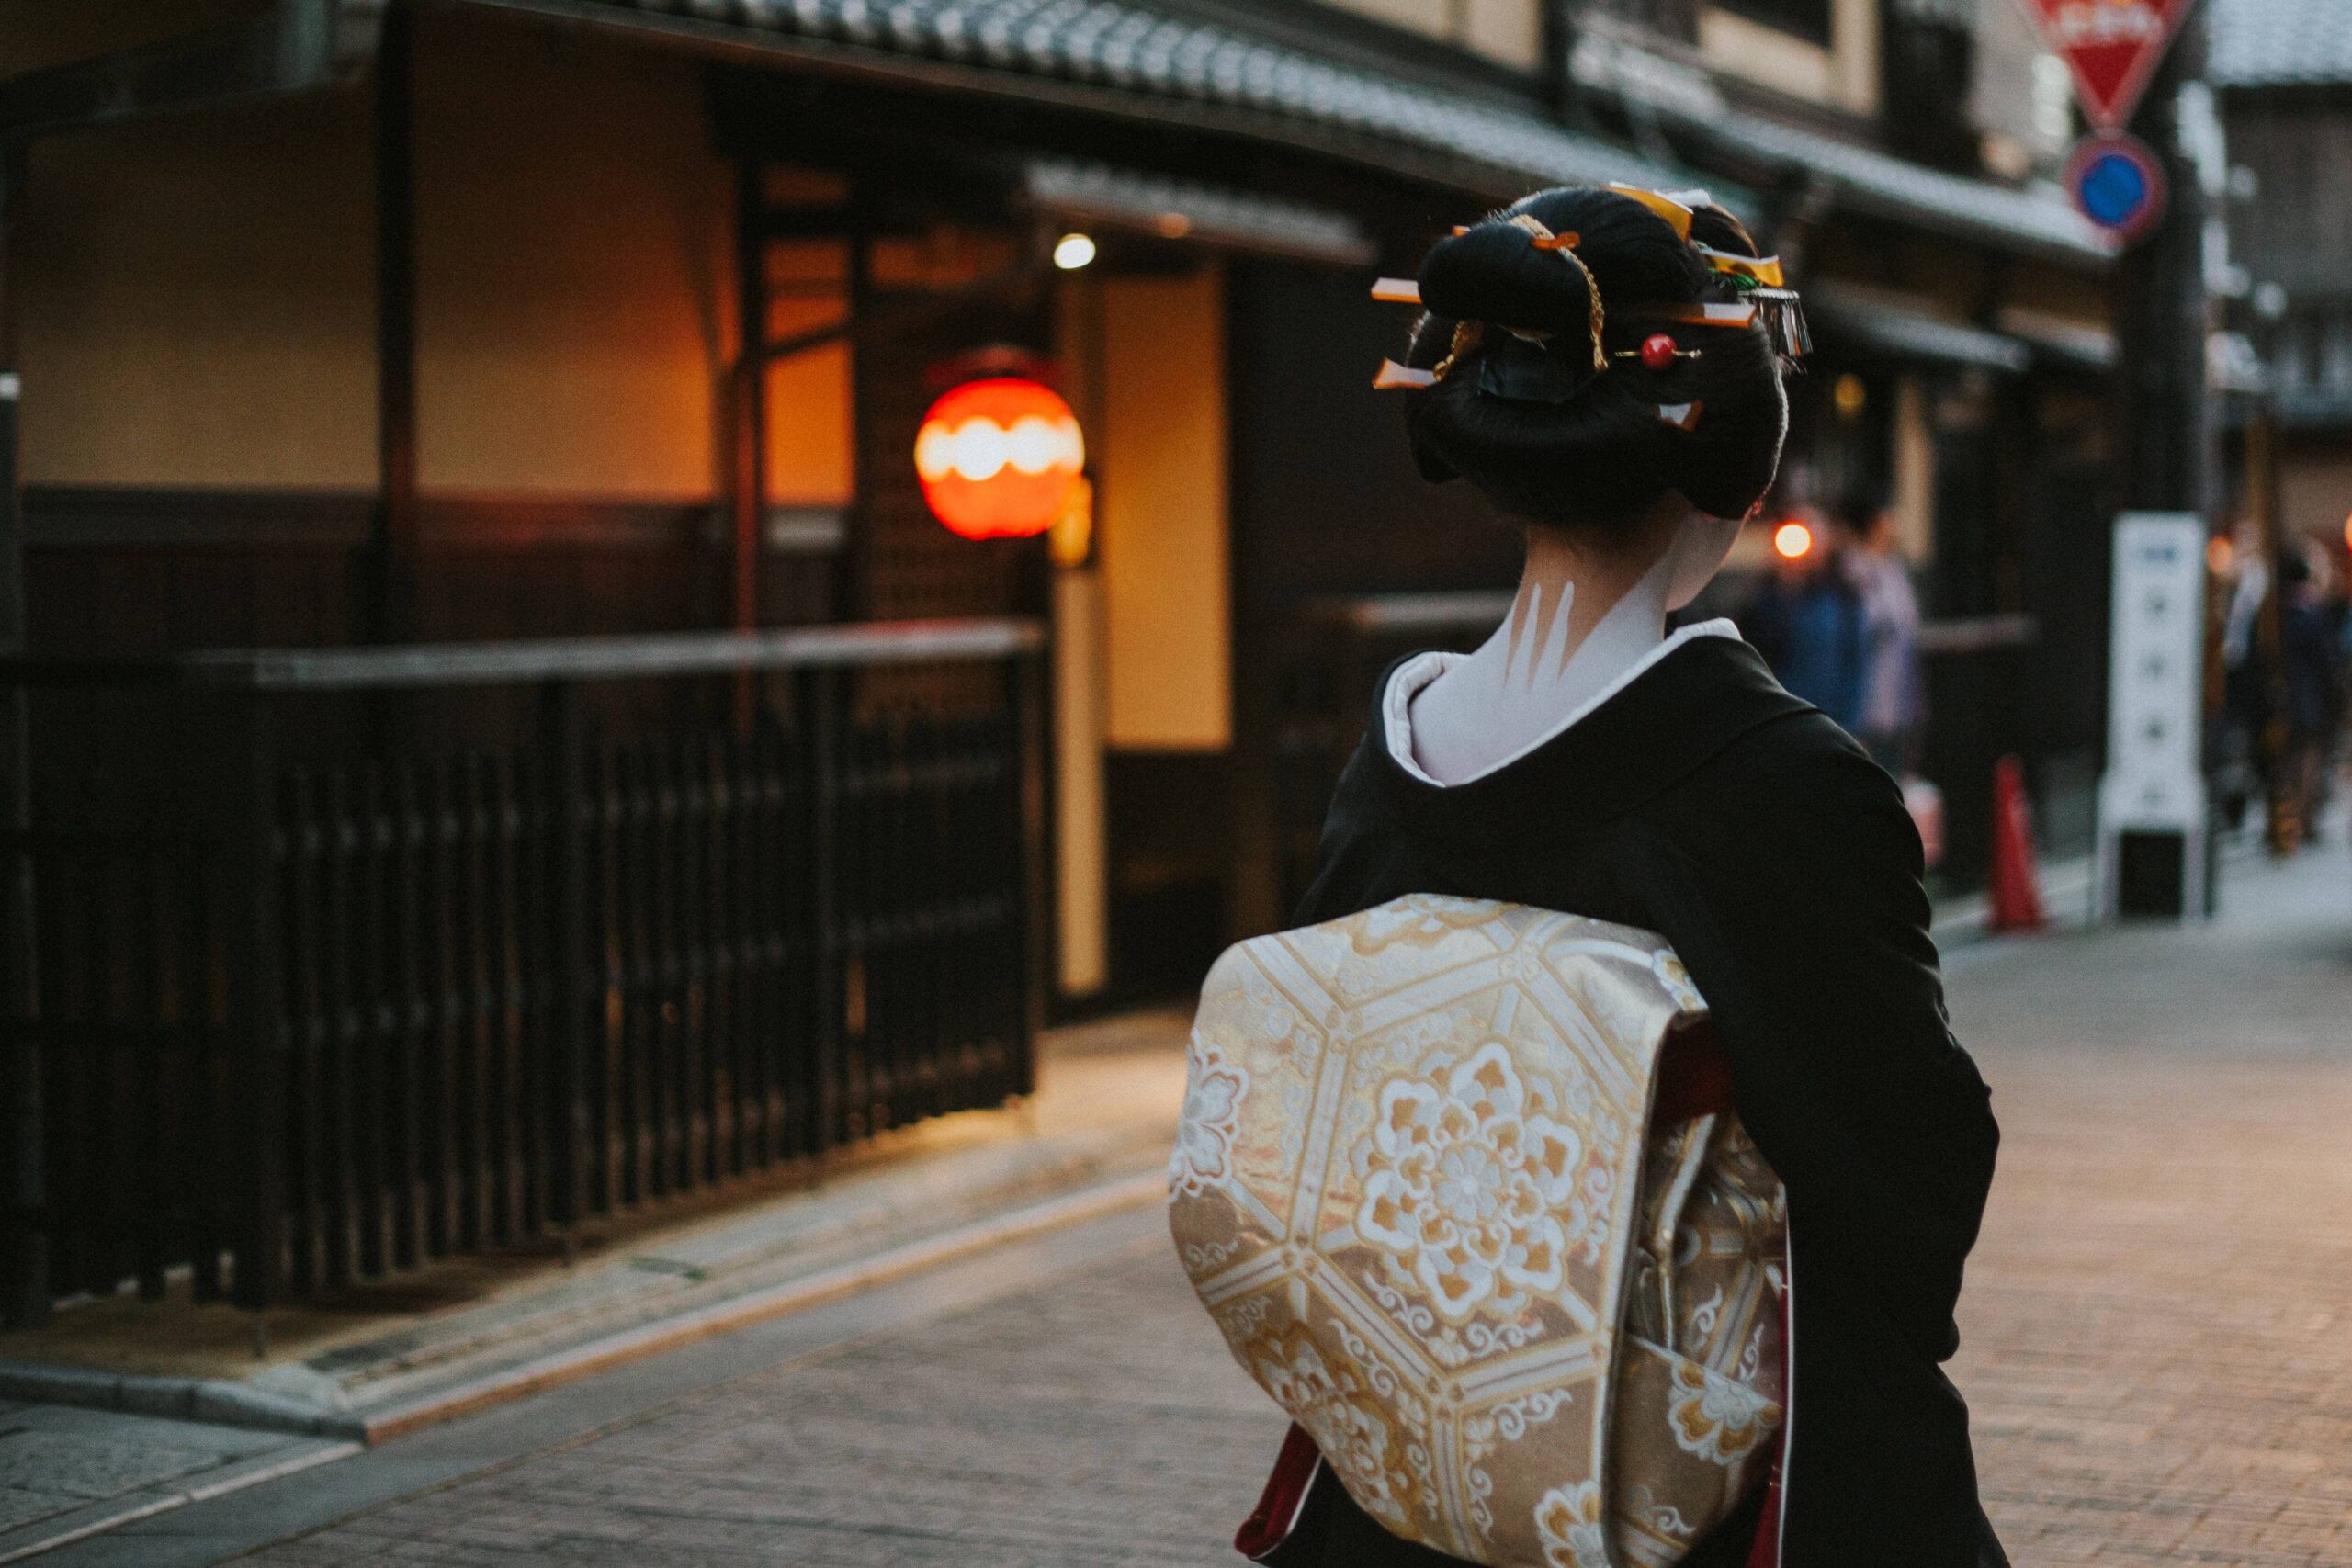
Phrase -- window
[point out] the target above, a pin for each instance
(1807, 19)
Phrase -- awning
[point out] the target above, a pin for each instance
(1100, 196)
(2063, 345)
(1122, 57)
(2281, 43)
(1686, 100)
(1844, 314)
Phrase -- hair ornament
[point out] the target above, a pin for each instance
(1465, 338)
(1395, 290)
(1784, 321)
(1670, 208)
(1394, 378)
(1704, 314)
(1681, 416)
(1657, 351)
(1744, 271)
(1542, 239)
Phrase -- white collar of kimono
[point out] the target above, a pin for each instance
(1396, 702)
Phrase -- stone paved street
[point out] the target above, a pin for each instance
(2159, 1326)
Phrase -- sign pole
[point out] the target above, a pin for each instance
(2163, 316)
(2155, 858)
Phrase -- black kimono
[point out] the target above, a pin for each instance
(1703, 802)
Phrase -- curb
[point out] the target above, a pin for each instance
(226, 1403)
(775, 1301)
(219, 1401)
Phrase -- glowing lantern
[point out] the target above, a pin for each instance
(998, 459)
(1793, 540)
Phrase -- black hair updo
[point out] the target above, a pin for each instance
(1525, 415)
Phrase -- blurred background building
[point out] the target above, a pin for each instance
(345, 323)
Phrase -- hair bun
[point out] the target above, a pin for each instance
(1594, 448)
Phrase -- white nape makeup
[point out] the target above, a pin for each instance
(1588, 616)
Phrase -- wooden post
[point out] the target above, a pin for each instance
(389, 611)
(563, 741)
(246, 837)
(1026, 677)
(750, 468)
(24, 1230)
(817, 696)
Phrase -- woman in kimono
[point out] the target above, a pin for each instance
(1593, 362)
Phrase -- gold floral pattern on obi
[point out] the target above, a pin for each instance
(1214, 1088)
(1421, 920)
(1717, 1418)
(1470, 1187)
(1570, 1524)
(1415, 1185)
(1348, 1426)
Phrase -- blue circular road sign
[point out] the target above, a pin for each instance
(2116, 183)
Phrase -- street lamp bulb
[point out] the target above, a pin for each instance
(1793, 540)
(1073, 250)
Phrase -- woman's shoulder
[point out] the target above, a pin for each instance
(1801, 778)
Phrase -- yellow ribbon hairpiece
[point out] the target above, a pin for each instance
(1665, 207)
(1765, 270)
(1738, 315)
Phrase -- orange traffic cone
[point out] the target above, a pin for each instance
(2016, 894)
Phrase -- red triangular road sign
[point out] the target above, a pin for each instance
(2112, 47)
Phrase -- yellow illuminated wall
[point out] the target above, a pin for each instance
(1509, 31)
(1159, 456)
(195, 295)
(573, 264)
(194, 302)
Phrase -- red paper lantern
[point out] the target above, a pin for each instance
(998, 459)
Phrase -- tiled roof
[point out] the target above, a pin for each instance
(1687, 100)
(1862, 179)
(2281, 43)
(1197, 69)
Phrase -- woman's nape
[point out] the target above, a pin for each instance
(1591, 605)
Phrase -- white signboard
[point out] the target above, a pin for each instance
(2155, 781)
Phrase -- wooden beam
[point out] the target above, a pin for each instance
(24, 1232)
(747, 475)
(390, 604)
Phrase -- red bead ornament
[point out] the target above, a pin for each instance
(1657, 351)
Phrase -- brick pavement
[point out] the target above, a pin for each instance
(2157, 1329)
(2158, 1324)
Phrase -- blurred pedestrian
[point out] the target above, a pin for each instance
(1809, 623)
(2310, 653)
(1895, 691)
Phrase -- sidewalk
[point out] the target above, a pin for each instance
(134, 1407)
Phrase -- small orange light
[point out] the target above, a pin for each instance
(2219, 554)
(2348, 532)
(1793, 540)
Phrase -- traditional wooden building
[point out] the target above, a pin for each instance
(2283, 72)
(499, 734)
